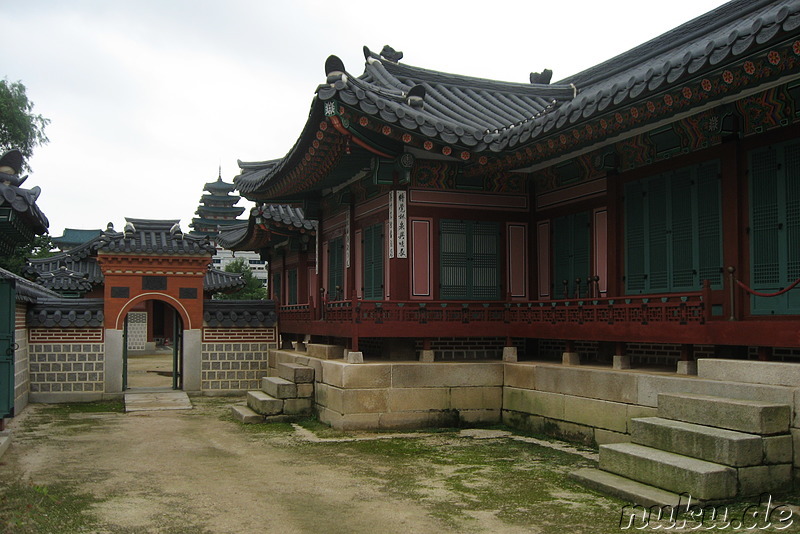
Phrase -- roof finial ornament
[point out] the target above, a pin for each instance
(542, 78)
(219, 175)
(110, 227)
(10, 167)
(129, 229)
(176, 230)
(391, 54)
(334, 69)
(416, 96)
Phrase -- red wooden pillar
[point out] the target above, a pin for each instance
(687, 352)
(764, 354)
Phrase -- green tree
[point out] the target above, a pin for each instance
(40, 247)
(253, 289)
(20, 127)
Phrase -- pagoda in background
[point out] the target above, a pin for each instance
(216, 208)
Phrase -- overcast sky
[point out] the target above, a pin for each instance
(148, 98)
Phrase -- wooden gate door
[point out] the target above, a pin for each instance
(7, 346)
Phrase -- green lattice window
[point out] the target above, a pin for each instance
(372, 241)
(571, 253)
(775, 226)
(469, 260)
(336, 268)
(673, 238)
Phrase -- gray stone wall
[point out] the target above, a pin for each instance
(66, 361)
(22, 384)
(233, 367)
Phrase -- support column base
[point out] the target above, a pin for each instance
(510, 354)
(300, 347)
(571, 358)
(354, 357)
(622, 362)
(426, 356)
(686, 368)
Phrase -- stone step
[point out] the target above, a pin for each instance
(325, 352)
(631, 491)
(263, 403)
(669, 471)
(753, 417)
(294, 372)
(245, 415)
(716, 445)
(278, 387)
(297, 407)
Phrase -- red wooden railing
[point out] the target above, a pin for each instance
(686, 308)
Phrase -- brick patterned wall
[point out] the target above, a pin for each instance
(65, 335)
(66, 367)
(234, 366)
(19, 317)
(256, 335)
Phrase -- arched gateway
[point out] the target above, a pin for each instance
(152, 272)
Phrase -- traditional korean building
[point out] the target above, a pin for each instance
(21, 220)
(644, 207)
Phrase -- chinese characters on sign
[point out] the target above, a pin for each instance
(347, 242)
(402, 219)
(391, 225)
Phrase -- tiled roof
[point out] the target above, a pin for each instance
(148, 236)
(705, 43)
(62, 273)
(228, 313)
(79, 260)
(494, 117)
(26, 290)
(449, 108)
(75, 236)
(256, 173)
(283, 214)
(66, 313)
(217, 280)
(220, 200)
(225, 211)
(65, 280)
(263, 220)
(219, 187)
(234, 235)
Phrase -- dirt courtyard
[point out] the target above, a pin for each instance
(197, 471)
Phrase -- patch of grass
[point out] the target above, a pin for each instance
(32, 509)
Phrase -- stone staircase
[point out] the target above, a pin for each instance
(712, 448)
(285, 397)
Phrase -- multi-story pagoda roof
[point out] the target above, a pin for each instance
(216, 208)
(393, 109)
